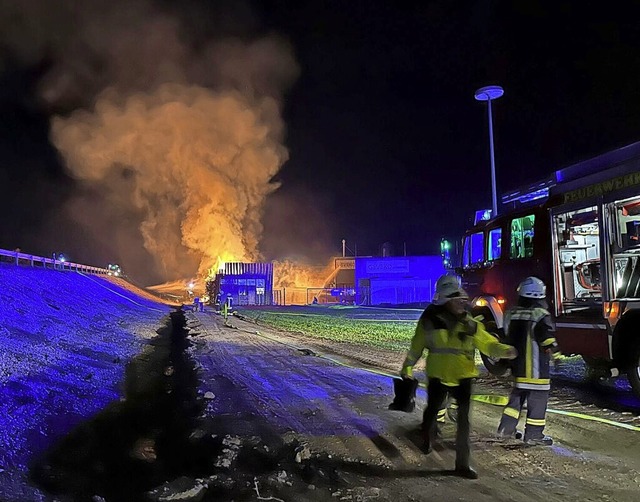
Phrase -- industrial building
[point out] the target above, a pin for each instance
(361, 280)
(246, 283)
(386, 280)
(396, 280)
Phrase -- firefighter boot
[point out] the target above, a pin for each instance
(541, 441)
(466, 472)
(503, 434)
(428, 437)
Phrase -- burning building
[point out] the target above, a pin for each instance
(246, 283)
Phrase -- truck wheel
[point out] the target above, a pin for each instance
(633, 372)
(497, 367)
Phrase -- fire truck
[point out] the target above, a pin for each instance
(579, 231)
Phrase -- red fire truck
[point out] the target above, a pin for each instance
(579, 232)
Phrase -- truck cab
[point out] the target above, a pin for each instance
(578, 231)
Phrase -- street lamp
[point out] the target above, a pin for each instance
(487, 94)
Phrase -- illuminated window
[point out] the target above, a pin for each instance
(495, 244)
(477, 248)
(522, 237)
(465, 252)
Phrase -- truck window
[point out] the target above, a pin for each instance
(626, 249)
(522, 237)
(578, 255)
(477, 248)
(495, 244)
(465, 252)
(472, 250)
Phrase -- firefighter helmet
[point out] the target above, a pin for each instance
(447, 288)
(532, 287)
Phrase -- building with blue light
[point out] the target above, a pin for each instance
(396, 280)
(247, 283)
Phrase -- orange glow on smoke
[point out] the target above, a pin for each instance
(287, 274)
(296, 278)
(197, 166)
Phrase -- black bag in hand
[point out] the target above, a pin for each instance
(405, 394)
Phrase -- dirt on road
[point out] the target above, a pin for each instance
(324, 409)
(219, 410)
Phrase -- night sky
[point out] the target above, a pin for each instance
(386, 142)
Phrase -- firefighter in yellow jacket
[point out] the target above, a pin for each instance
(450, 336)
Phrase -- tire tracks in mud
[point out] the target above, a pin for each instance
(388, 460)
(136, 442)
(571, 392)
(194, 420)
(159, 443)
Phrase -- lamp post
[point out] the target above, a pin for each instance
(487, 94)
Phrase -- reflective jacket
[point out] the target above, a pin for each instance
(531, 331)
(451, 344)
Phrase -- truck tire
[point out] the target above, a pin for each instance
(633, 372)
(497, 367)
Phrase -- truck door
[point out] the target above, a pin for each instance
(577, 261)
(473, 269)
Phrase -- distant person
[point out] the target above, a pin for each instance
(315, 300)
(196, 304)
(450, 336)
(226, 308)
(529, 327)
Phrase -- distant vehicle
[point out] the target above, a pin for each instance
(114, 270)
(579, 232)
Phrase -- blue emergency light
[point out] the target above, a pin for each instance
(482, 215)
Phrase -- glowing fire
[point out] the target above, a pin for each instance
(219, 264)
(175, 152)
(288, 274)
(299, 280)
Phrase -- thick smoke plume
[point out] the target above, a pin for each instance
(197, 164)
(177, 136)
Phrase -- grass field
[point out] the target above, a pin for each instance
(381, 328)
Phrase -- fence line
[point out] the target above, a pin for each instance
(412, 292)
(19, 258)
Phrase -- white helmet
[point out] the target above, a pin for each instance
(532, 287)
(447, 288)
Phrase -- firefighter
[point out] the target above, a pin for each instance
(528, 326)
(450, 336)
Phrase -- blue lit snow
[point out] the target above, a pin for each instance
(64, 341)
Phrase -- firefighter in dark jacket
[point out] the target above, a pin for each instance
(529, 327)
(450, 336)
